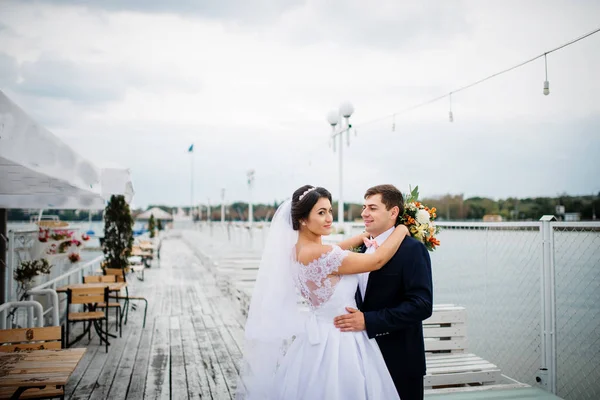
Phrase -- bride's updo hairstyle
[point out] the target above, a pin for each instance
(303, 200)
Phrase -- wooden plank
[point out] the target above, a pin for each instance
(166, 305)
(461, 378)
(178, 377)
(216, 381)
(107, 375)
(195, 372)
(124, 369)
(479, 388)
(80, 370)
(451, 331)
(226, 363)
(29, 334)
(87, 383)
(11, 348)
(34, 379)
(459, 343)
(452, 369)
(142, 360)
(200, 295)
(447, 316)
(157, 380)
(466, 361)
(448, 356)
(33, 393)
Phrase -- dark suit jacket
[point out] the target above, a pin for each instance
(398, 298)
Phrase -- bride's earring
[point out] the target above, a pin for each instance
(304, 223)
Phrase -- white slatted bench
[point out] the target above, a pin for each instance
(448, 362)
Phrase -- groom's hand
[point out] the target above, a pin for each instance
(352, 322)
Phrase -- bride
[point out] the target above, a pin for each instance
(293, 351)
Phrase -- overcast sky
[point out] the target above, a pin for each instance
(134, 83)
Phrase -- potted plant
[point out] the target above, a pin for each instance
(27, 271)
(118, 233)
(151, 226)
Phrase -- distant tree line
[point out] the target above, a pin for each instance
(449, 207)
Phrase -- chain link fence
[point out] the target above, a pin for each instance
(494, 271)
(577, 266)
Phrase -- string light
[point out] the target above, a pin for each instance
(546, 83)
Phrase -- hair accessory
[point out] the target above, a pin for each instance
(305, 193)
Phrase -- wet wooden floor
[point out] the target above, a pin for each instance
(190, 347)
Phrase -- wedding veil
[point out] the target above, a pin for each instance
(274, 317)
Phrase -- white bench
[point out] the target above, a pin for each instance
(450, 366)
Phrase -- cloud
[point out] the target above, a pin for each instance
(256, 11)
(8, 70)
(385, 24)
(134, 88)
(78, 82)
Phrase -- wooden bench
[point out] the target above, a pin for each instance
(31, 339)
(449, 364)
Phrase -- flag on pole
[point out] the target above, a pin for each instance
(191, 149)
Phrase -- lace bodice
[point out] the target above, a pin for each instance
(317, 280)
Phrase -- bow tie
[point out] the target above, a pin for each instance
(371, 243)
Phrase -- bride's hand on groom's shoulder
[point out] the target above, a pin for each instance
(354, 321)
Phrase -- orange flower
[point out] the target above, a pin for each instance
(417, 204)
(433, 241)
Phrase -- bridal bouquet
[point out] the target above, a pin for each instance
(419, 218)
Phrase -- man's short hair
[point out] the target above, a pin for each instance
(390, 197)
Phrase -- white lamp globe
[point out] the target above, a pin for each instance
(346, 109)
(333, 118)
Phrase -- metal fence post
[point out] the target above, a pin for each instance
(8, 296)
(547, 374)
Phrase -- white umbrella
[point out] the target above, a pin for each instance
(157, 212)
(38, 170)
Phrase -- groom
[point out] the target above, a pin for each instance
(394, 300)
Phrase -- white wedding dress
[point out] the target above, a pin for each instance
(323, 362)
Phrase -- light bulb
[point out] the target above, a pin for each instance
(546, 88)
(450, 116)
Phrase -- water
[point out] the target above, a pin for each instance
(496, 274)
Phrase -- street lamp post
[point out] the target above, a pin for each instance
(250, 175)
(208, 216)
(223, 206)
(346, 110)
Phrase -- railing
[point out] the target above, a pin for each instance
(74, 275)
(32, 307)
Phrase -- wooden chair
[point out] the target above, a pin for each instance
(114, 305)
(89, 298)
(28, 339)
(119, 273)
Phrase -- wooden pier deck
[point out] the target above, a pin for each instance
(190, 347)
(192, 344)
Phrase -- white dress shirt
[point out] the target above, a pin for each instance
(363, 278)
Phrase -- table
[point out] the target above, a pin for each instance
(37, 369)
(112, 286)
